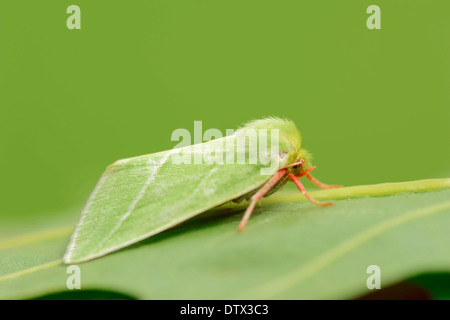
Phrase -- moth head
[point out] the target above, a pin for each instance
(305, 157)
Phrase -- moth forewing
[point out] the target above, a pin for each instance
(142, 196)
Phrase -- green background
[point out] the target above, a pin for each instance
(372, 105)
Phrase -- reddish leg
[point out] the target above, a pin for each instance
(304, 172)
(318, 183)
(303, 190)
(257, 196)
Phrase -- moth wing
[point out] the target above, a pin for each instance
(142, 196)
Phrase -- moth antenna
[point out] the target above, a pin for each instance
(259, 195)
(303, 190)
(301, 161)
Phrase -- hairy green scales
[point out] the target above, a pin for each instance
(139, 197)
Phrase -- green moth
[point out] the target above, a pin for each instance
(139, 197)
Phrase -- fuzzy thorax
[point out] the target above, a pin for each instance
(289, 139)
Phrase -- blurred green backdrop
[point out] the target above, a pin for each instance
(372, 105)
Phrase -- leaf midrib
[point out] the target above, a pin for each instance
(296, 276)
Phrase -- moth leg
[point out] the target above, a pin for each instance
(258, 195)
(303, 190)
(320, 184)
(304, 172)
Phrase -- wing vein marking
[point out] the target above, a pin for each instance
(153, 171)
(74, 237)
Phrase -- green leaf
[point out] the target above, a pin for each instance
(289, 249)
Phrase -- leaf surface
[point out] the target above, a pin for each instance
(289, 249)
